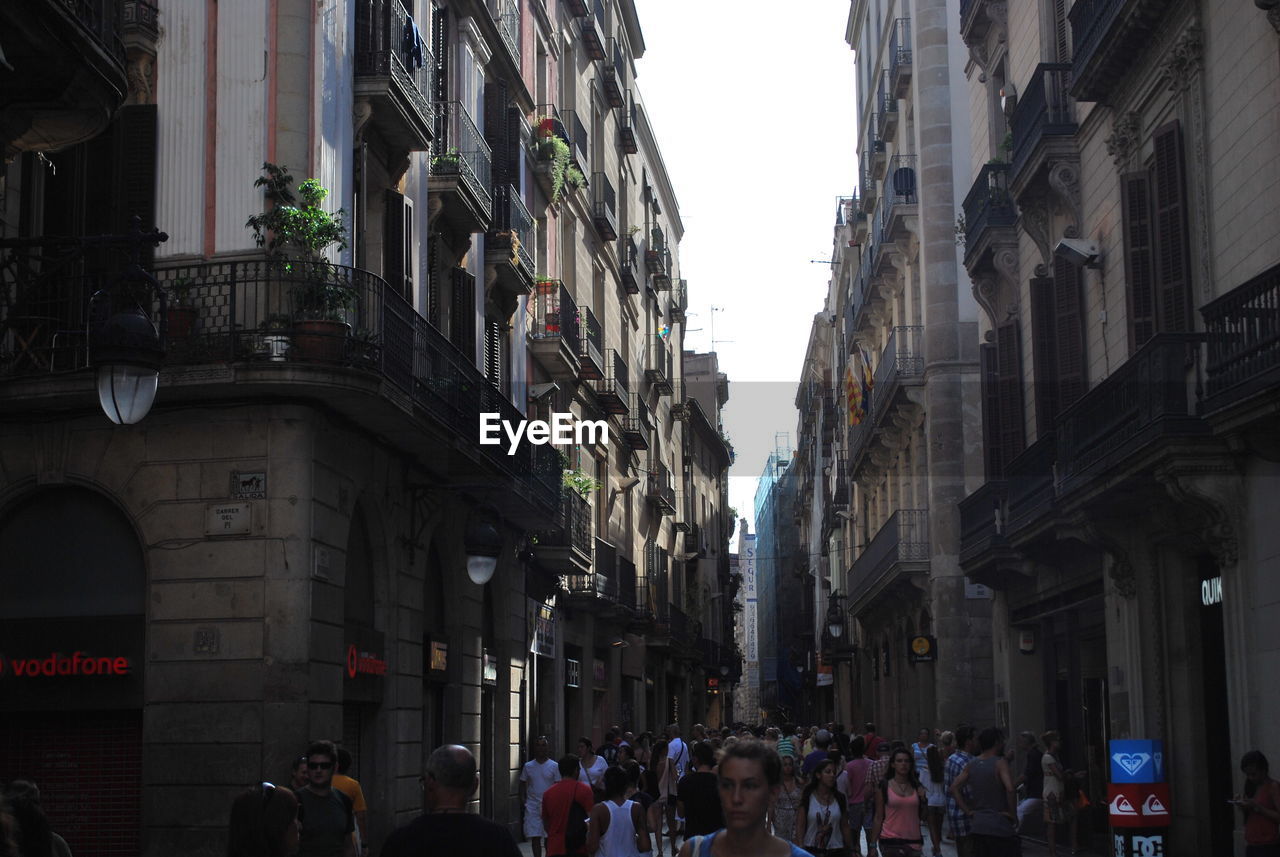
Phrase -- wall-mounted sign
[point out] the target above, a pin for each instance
(713, 684)
(1135, 845)
(437, 658)
(922, 649)
(1211, 591)
(1137, 761)
(58, 664)
(489, 668)
(1138, 804)
(598, 673)
(542, 631)
(824, 676)
(1027, 641)
(249, 485)
(228, 519)
(572, 673)
(364, 663)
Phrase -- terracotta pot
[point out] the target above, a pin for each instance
(320, 340)
(179, 321)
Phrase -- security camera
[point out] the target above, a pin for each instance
(542, 392)
(1080, 252)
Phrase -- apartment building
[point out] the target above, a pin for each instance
(304, 536)
(1120, 236)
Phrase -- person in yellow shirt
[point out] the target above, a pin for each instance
(351, 788)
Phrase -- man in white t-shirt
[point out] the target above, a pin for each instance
(678, 762)
(537, 775)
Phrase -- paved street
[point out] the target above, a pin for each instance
(1030, 848)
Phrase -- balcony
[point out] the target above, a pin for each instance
(461, 170)
(887, 105)
(394, 70)
(509, 243)
(874, 150)
(604, 207)
(554, 331)
(629, 265)
(627, 125)
(900, 58)
(613, 391)
(867, 186)
(894, 394)
(657, 259)
(989, 216)
(628, 591)
(659, 489)
(899, 549)
(65, 73)
(589, 31)
(1043, 124)
(579, 141)
(839, 480)
(247, 334)
(976, 19)
(590, 346)
(679, 301)
(1243, 330)
(637, 423)
(1115, 426)
(982, 516)
(900, 205)
(1030, 488)
(566, 548)
(1108, 37)
(658, 365)
(695, 541)
(613, 73)
(597, 590)
(507, 17)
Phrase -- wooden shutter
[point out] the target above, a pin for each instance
(493, 354)
(495, 134)
(1009, 389)
(1069, 332)
(1061, 44)
(394, 244)
(1139, 264)
(990, 412)
(462, 329)
(434, 278)
(1044, 354)
(1173, 256)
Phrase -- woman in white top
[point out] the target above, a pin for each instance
(822, 824)
(1058, 809)
(616, 827)
(933, 781)
(591, 767)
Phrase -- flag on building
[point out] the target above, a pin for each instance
(858, 383)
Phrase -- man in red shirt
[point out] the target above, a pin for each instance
(556, 803)
(872, 741)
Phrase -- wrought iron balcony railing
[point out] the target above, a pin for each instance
(658, 365)
(627, 124)
(1243, 329)
(589, 31)
(578, 140)
(982, 517)
(900, 57)
(886, 108)
(679, 301)
(902, 360)
(604, 206)
(661, 491)
(627, 589)
(904, 538)
(899, 192)
(392, 60)
(612, 74)
(988, 205)
(1107, 37)
(568, 544)
(554, 313)
(629, 264)
(591, 350)
(1043, 111)
(637, 423)
(511, 214)
(460, 149)
(507, 17)
(613, 391)
(141, 17)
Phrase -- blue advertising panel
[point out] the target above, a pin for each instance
(1137, 761)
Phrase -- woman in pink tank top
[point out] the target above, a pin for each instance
(899, 798)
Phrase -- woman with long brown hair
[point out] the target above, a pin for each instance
(822, 822)
(266, 821)
(899, 798)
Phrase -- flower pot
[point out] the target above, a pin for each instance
(320, 340)
(275, 346)
(179, 322)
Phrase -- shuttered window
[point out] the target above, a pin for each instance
(496, 350)
(397, 245)
(1068, 310)
(1044, 354)
(1173, 257)
(1139, 264)
(990, 414)
(462, 326)
(1009, 390)
(434, 278)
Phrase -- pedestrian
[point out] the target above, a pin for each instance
(990, 800)
(947, 744)
(1059, 806)
(822, 824)
(842, 742)
(266, 821)
(678, 760)
(351, 788)
(644, 749)
(787, 804)
(771, 737)
(538, 774)
(617, 827)
(328, 816)
(920, 751)
(820, 752)
(697, 794)
(1260, 804)
(636, 792)
(1031, 780)
(871, 739)
(609, 749)
(657, 785)
(879, 767)
(591, 768)
(33, 835)
(446, 828)
(966, 745)
(750, 775)
(858, 788)
(786, 741)
(933, 779)
(565, 809)
(298, 776)
(899, 798)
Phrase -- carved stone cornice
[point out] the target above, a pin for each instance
(1034, 210)
(361, 112)
(1064, 182)
(1212, 491)
(1125, 139)
(1094, 531)
(1184, 61)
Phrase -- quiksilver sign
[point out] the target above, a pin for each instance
(1211, 591)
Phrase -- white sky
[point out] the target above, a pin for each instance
(753, 107)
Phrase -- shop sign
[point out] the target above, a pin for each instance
(572, 673)
(713, 684)
(1211, 591)
(922, 650)
(598, 673)
(57, 664)
(489, 668)
(824, 676)
(364, 663)
(542, 632)
(437, 658)
(1133, 845)
(1138, 804)
(1137, 761)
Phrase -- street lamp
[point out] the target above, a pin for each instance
(835, 617)
(483, 544)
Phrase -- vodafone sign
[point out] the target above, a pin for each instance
(364, 663)
(58, 664)
(1138, 804)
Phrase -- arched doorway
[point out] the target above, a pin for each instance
(72, 636)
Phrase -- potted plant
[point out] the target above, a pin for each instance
(180, 316)
(296, 236)
(275, 339)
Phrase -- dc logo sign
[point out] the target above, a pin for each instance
(1142, 846)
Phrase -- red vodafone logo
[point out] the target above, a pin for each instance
(353, 661)
(58, 664)
(364, 663)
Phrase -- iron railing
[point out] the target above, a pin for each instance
(611, 74)
(1043, 110)
(656, 253)
(592, 342)
(627, 124)
(1243, 329)
(988, 205)
(389, 44)
(899, 190)
(102, 19)
(899, 51)
(886, 107)
(661, 490)
(604, 205)
(510, 213)
(459, 149)
(507, 17)
(1030, 484)
(901, 359)
(903, 538)
(613, 391)
(579, 142)
(658, 364)
(141, 17)
(554, 315)
(629, 264)
(637, 423)
(574, 526)
(982, 519)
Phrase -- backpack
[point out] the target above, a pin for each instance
(610, 754)
(575, 833)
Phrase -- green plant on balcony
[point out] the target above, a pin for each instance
(447, 161)
(291, 230)
(582, 483)
(574, 179)
(555, 152)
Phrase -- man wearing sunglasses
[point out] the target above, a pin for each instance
(328, 820)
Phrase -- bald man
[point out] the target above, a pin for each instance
(447, 828)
